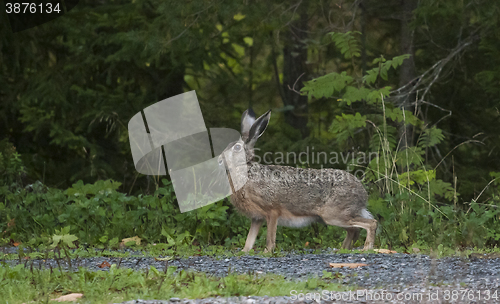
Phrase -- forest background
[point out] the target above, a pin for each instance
(416, 82)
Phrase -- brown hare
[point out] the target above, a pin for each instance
(289, 196)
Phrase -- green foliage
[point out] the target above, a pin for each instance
(431, 137)
(406, 220)
(415, 205)
(326, 86)
(64, 238)
(382, 68)
(87, 212)
(98, 215)
(358, 90)
(417, 176)
(344, 126)
(398, 115)
(379, 141)
(70, 95)
(11, 165)
(347, 43)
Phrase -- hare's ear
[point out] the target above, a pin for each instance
(247, 120)
(258, 129)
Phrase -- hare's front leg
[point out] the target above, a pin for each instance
(252, 234)
(272, 226)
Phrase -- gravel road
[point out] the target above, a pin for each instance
(400, 275)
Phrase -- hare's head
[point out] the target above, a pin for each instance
(241, 152)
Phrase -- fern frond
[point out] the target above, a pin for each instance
(347, 43)
(325, 86)
(430, 137)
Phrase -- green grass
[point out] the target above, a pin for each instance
(21, 284)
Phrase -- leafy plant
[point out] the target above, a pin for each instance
(11, 165)
(414, 204)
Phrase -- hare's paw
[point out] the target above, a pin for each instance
(367, 247)
(246, 250)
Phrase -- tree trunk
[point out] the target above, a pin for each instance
(294, 67)
(407, 70)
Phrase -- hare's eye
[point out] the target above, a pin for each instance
(220, 161)
(237, 147)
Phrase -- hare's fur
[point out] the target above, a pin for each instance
(293, 197)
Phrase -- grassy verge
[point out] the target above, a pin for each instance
(163, 251)
(21, 284)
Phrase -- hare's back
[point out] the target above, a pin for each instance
(306, 190)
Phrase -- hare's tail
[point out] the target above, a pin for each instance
(366, 214)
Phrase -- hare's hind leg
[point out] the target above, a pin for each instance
(252, 234)
(370, 225)
(356, 236)
(351, 237)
